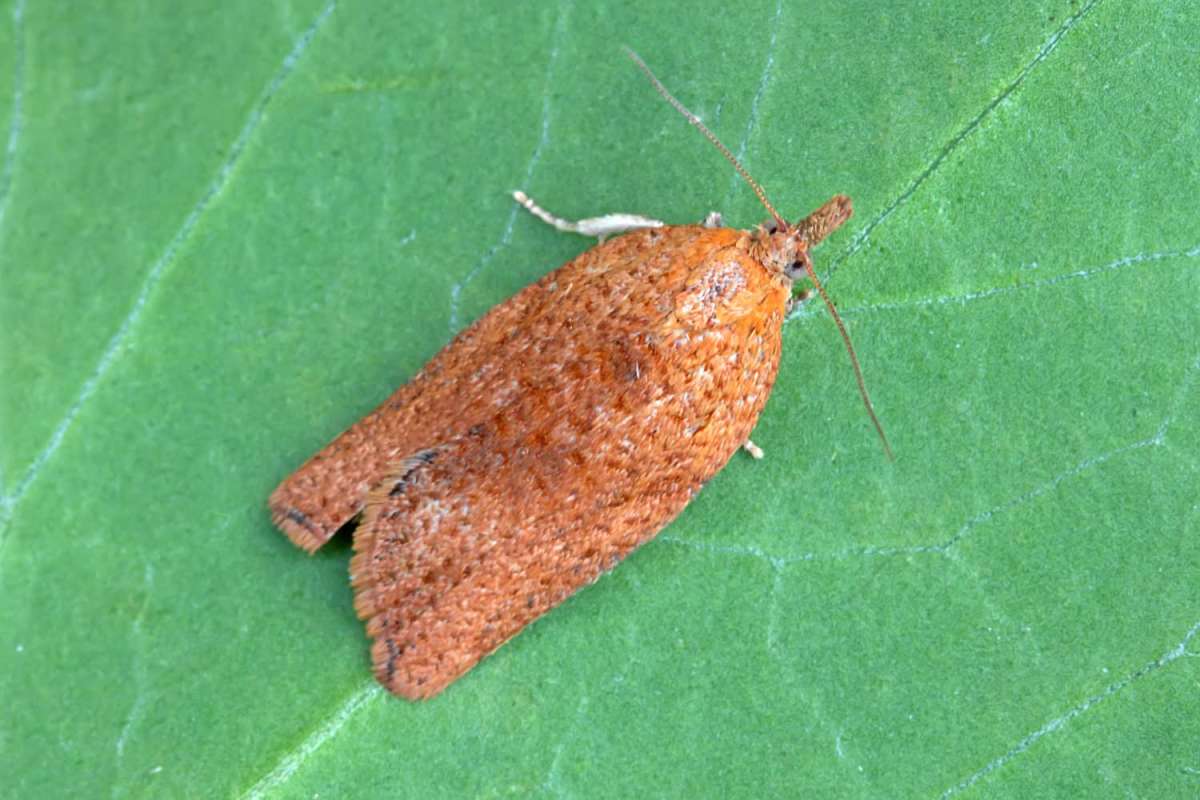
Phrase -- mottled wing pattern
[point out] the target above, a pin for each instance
(623, 283)
(629, 396)
(472, 376)
(455, 560)
(329, 489)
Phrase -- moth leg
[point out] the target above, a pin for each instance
(797, 300)
(754, 450)
(600, 227)
(713, 220)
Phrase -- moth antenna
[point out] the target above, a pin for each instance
(858, 376)
(783, 225)
(712, 137)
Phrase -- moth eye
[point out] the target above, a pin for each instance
(796, 269)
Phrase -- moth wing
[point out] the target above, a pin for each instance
(467, 543)
(608, 408)
(596, 321)
(329, 489)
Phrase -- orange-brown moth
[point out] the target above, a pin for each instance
(557, 433)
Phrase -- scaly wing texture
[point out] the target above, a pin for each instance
(462, 556)
(549, 332)
(625, 398)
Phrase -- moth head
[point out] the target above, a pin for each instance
(783, 249)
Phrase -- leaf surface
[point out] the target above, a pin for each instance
(226, 234)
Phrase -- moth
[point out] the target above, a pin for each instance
(557, 433)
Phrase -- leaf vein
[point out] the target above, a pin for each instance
(1063, 719)
(16, 123)
(860, 238)
(560, 29)
(116, 345)
(763, 82)
(291, 761)
(942, 547)
(968, 297)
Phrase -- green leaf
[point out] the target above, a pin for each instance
(227, 233)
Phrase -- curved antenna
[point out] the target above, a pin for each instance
(858, 376)
(712, 137)
(762, 198)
